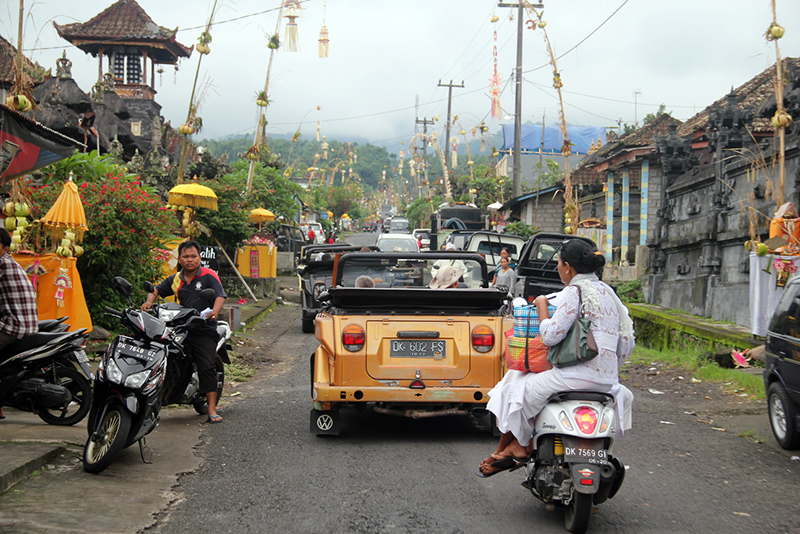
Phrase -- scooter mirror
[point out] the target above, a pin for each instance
(149, 287)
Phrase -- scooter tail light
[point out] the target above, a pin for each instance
(353, 337)
(482, 338)
(586, 419)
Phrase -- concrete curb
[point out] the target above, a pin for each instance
(22, 459)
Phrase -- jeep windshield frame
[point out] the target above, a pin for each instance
(416, 297)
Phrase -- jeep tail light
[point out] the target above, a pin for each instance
(353, 337)
(586, 418)
(482, 338)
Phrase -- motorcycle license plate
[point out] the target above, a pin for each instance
(418, 348)
(81, 357)
(585, 451)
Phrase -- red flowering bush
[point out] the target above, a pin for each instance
(127, 224)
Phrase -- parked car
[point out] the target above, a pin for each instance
(399, 225)
(403, 348)
(289, 239)
(397, 243)
(458, 238)
(315, 270)
(782, 368)
(423, 236)
(537, 272)
(319, 232)
(491, 243)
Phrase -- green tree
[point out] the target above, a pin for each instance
(127, 225)
(548, 174)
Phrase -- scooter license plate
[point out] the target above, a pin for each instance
(585, 451)
(81, 357)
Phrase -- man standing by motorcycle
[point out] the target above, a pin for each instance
(201, 344)
(18, 316)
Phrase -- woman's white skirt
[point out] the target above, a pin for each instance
(519, 397)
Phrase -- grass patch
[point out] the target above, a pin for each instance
(709, 371)
(238, 371)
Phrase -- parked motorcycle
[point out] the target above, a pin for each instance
(38, 374)
(571, 465)
(140, 373)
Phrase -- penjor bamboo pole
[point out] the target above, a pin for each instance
(235, 269)
(262, 112)
(185, 144)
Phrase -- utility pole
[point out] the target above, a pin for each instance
(636, 108)
(517, 165)
(449, 102)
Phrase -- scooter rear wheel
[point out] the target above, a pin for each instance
(578, 512)
(98, 455)
(77, 384)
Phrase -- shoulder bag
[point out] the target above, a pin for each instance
(578, 346)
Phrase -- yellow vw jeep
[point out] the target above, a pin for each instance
(396, 335)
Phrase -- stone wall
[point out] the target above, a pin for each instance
(547, 215)
(699, 263)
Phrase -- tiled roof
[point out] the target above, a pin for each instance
(752, 93)
(646, 135)
(124, 20)
(8, 54)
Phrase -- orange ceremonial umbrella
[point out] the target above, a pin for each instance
(193, 194)
(66, 214)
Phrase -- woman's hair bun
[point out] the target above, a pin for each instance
(582, 256)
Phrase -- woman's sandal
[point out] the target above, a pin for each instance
(509, 463)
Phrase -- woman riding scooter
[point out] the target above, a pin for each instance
(519, 397)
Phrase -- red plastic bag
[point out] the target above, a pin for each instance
(526, 353)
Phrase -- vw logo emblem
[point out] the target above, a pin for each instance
(324, 422)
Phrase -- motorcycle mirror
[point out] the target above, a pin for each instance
(149, 287)
(123, 286)
(208, 294)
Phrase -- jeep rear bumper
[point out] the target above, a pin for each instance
(399, 394)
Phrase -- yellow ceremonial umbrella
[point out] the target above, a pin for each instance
(66, 214)
(261, 215)
(193, 194)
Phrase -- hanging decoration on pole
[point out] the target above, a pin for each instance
(454, 152)
(193, 123)
(571, 208)
(323, 34)
(495, 81)
(291, 42)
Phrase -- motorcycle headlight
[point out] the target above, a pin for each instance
(136, 380)
(113, 372)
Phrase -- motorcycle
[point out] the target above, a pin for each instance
(140, 373)
(571, 465)
(38, 374)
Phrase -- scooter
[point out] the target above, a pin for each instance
(571, 465)
(38, 374)
(137, 375)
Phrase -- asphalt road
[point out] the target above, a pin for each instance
(262, 471)
(266, 473)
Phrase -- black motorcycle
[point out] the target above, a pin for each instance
(137, 375)
(38, 374)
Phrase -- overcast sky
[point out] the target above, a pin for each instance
(384, 53)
